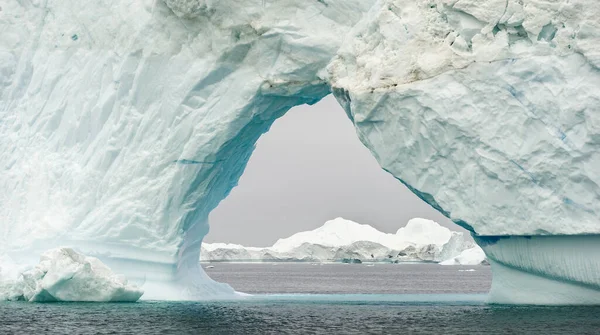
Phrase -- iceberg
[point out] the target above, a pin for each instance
(65, 275)
(123, 125)
(340, 240)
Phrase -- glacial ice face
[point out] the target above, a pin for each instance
(548, 270)
(66, 275)
(123, 124)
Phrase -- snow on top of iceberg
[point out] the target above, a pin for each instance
(340, 232)
(66, 275)
(423, 231)
(336, 232)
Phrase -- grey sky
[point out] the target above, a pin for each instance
(309, 168)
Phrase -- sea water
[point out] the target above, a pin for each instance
(339, 278)
(315, 299)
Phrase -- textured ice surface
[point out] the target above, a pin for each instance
(344, 240)
(66, 275)
(123, 124)
(512, 286)
(482, 111)
(544, 269)
(472, 256)
(457, 243)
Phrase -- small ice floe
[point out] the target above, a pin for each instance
(467, 270)
(209, 267)
(63, 274)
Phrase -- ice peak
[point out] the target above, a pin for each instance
(340, 231)
(341, 226)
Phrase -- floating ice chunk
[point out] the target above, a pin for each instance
(66, 275)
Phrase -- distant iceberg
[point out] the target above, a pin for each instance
(342, 240)
(64, 275)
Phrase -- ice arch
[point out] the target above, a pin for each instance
(293, 182)
(123, 124)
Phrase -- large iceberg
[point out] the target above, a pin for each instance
(341, 240)
(124, 123)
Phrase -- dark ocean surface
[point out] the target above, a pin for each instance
(315, 299)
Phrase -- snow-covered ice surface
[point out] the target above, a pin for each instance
(123, 124)
(457, 243)
(344, 240)
(65, 275)
(339, 232)
(472, 256)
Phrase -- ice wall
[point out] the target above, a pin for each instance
(545, 270)
(487, 110)
(124, 123)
